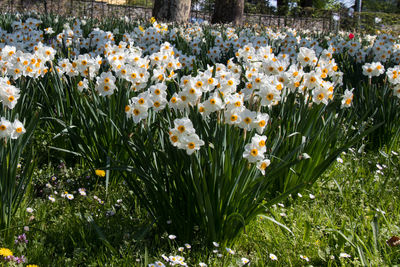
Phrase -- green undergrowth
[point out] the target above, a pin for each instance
(344, 219)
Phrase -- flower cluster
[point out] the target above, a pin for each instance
(9, 94)
(11, 129)
(373, 69)
(21, 239)
(393, 75)
(254, 152)
(17, 63)
(183, 136)
(272, 77)
(25, 34)
(347, 98)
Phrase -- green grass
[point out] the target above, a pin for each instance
(354, 212)
(343, 217)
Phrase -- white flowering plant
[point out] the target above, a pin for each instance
(14, 150)
(201, 142)
(370, 66)
(208, 125)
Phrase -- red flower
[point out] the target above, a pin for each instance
(351, 36)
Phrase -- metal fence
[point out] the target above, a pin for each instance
(79, 8)
(99, 9)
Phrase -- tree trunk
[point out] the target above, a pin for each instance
(172, 10)
(306, 3)
(226, 11)
(45, 6)
(283, 7)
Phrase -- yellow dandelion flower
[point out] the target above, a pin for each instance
(100, 173)
(5, 252)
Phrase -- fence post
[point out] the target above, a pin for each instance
(91, 10)
(70, 9)
(102, 9)
(45, 7)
